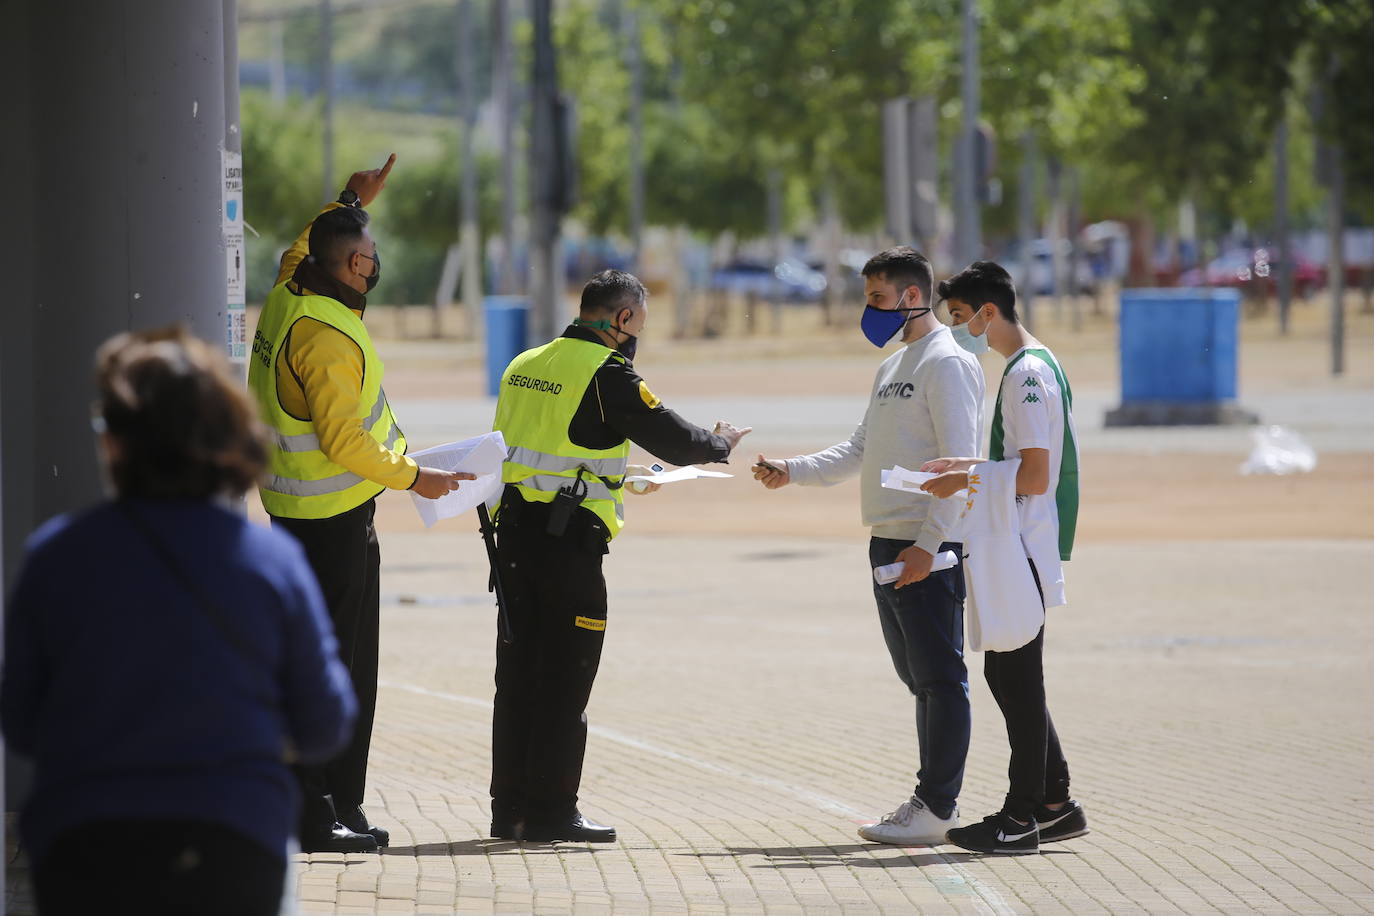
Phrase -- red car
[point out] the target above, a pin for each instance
(1245, 269)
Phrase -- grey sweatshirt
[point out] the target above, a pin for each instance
(927, 402)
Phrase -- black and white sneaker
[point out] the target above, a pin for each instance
(997, 834)
(1064, 824)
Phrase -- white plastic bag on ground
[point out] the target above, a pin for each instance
(1279, 450)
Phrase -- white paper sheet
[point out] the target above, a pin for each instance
(899, 478)
(481, 455)
(691, 472)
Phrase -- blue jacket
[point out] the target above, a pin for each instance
(134, 703)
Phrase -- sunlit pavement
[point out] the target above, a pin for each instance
(1213, 700)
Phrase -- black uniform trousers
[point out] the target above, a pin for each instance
(1037, 771)
(343, 552)
(556, 597)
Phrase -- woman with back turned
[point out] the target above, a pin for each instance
(164, 658)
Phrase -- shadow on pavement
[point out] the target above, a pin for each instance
(855, 855)
(483, 847)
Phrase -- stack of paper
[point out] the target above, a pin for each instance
(482, 456)
(899, 478)
(691, 472)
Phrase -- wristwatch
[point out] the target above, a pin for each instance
(348, 197)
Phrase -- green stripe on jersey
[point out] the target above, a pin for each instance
(1066, 490)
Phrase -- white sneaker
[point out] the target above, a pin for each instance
(912, 824)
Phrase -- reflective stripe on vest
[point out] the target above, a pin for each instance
(541, 392)
(336, 484)
(309, 442)
(550, 483)
(557, 464)
(302, 482)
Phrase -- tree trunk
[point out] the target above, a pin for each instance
(831, 215)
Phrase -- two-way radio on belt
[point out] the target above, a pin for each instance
(568, 499)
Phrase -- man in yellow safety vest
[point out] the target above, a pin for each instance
(568, 411)
(335, 446)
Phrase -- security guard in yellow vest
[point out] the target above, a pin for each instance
(318, 383)
(568, 411)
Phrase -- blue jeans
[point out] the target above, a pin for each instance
(923, 626)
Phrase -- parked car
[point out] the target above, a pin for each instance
(1042, 268)
(1249, 269)
(790, 280)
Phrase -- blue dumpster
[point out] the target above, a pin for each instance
(1178, 358)
(506, 320)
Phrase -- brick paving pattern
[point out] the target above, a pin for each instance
(746, 719)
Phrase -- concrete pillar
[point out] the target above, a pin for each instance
(113, 194)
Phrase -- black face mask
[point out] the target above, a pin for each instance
(626, 347)
(372, 278)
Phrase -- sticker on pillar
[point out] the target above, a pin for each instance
(235, 260)
(234, 267)
(236, 333)
(590, 623)
(233, 190)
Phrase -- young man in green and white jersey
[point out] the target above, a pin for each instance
(1033, 421)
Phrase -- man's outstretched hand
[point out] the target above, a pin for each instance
(431, 483)
(731, 433)
(367, 185)
(771, 473)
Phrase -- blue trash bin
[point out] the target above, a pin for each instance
(506, 319)
(1178, 357)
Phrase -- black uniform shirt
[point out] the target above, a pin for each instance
(618, 406)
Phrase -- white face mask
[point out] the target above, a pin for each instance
(975, 344)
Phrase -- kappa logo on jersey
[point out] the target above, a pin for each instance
(1030, 399)
(1031, 382)
(896, 390)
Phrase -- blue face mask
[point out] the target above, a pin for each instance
(965, 338)
(881, 325)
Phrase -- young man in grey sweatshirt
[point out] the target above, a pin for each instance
(927, 399)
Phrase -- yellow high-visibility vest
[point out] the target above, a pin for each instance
(302, 482)
(540, 393)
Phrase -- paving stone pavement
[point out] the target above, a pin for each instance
(746, 719)
(1214, 696)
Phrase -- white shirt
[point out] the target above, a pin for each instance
(926, 402)
(1033, 415)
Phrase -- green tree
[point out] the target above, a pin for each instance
(698, 174)
(1339, 54)
(411, 59)
(281, 164)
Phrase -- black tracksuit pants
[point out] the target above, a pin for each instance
(556, 596)
(1038, 772)
(343, 552)
(158, 867)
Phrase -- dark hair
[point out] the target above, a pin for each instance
(185, 427)
(610, 291)
(982, 282)
(902, 266)
(335, 235)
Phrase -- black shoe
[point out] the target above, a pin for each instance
(998, 834)
(576, 828)
(356, 821)
(1063, 824)
(505, 828)
(338, 839)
